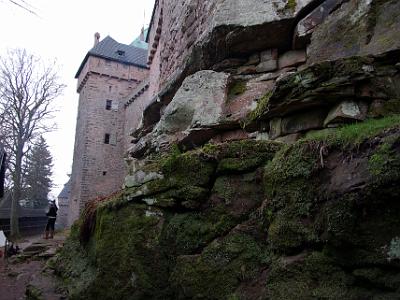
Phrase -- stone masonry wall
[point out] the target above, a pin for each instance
(98, 168)
(176, 27)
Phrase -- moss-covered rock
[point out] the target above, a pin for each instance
(220, 268)
(252, 220)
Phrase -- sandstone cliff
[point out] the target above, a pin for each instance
(268, 168)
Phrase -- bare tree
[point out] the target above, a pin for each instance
(27, 90)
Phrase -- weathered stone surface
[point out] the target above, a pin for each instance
(197, 105)
(357, 28)
(267, 66)
(265, 225)
(228, 29)
(292, 58)
(250, 19)
(304, 121)
(346, 111)
(290, 138)
(275, 128)
(328, 83)
(229, 63)
(239, 105)
(306, 26)
(233, 135)
(140, 177)
(381, 108)
(268, 55)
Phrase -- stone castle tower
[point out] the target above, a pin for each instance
(108, 74)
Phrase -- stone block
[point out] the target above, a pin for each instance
(346, 111)
(229, 63)
(270, 54)
(292, 58)
(262, 136)
(275, 128)
(267, 66)
(337, 37)
(304, 121)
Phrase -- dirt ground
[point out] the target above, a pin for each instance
(26, 273)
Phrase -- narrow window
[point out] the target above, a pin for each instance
(121, 52)
(110, 88)
(104, 173)
(107, 138)
(108, 104)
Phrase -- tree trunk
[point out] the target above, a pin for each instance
(14, 218)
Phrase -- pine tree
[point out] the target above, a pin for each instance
(38, 174)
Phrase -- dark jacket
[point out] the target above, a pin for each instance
(52, 211)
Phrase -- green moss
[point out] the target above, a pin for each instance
(237, 165)
(126, 251)
(236, 88)
(220, 268)
(340, 220)
(291, 5)
(75, 266)
(188, 168)
(287, 233)
(244, 149)
(313, 276)
(354, 134)
(33, 293)
(379, 159)
(262, 106)
(188, 232)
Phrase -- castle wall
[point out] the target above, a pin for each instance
(98, 167)
(62, 214)
(135, 105)
(175, 28)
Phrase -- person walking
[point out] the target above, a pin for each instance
(52, 216)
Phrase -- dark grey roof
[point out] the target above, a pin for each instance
(110, 49)
(66, 191)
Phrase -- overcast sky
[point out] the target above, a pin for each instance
(65, 30)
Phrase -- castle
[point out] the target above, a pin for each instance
(216, 71)
(261, 142)
(109, 75)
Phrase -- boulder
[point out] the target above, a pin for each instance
(268, 61)
(346, 111)
(247, 23)
(140, 177)
(267, 66)
(303, 121)
(357, 28)
(196, 107)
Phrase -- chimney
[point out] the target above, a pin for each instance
(96, 39)
(142, 35)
